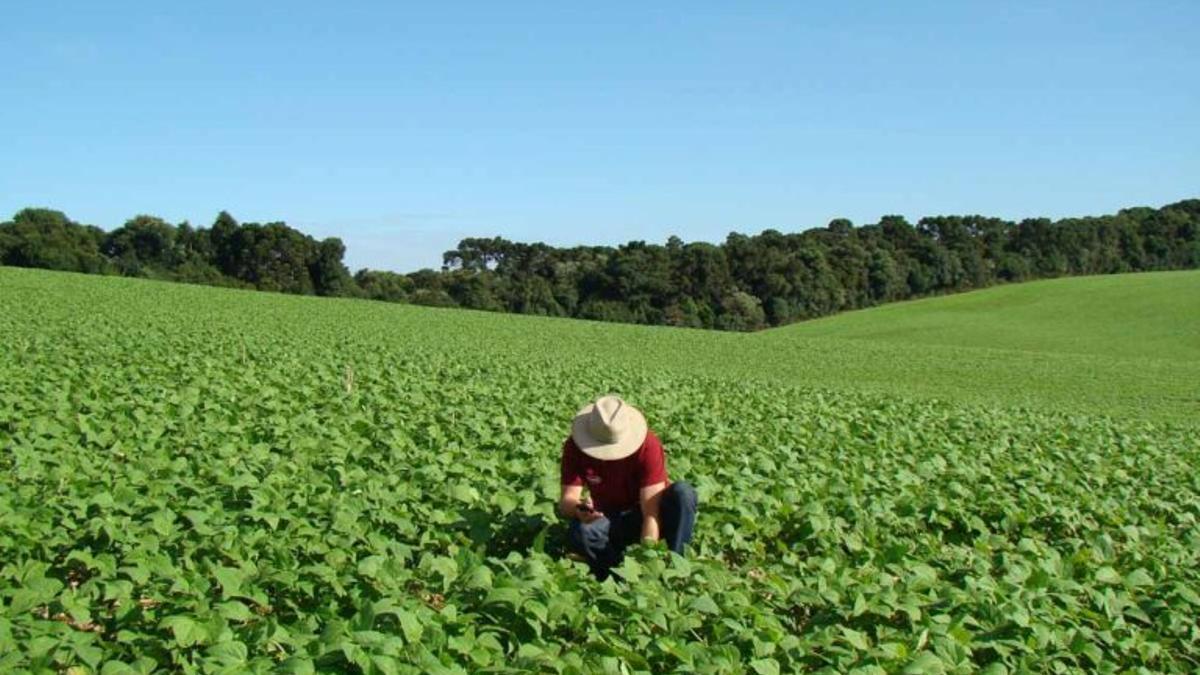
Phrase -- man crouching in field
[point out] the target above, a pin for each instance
(612, 451)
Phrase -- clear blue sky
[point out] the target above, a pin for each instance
(402, 129)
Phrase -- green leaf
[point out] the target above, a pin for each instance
(1107, 575)
(41, 645)
(22, 601)
(504, 596)
(411, 627)
(856, 639)
(923, 663)
(142, 667)
(447, 568)
(464, 493)
(704, 604)
(186, 631)
(1139, 577)
(40, 590)
(386, 665)
(480, 578)
(235, 611)
(163, 522)
(765, 666)
(297, 665)
(860, 606)
(227, 654)
(370, 565)
(1190, 596)
(231, 580)
(1020, 616)
(89, 654)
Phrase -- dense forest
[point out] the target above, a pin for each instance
(745, 283)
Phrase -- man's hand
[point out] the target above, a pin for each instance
(571, 500)
(589, 514)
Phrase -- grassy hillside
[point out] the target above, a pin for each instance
(1155, 315)
(1125, 345)
(1066, 345)
(209, 480)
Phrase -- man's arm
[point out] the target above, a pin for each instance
(572, 486)
(650, 496)
(568, 504)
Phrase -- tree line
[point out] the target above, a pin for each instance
(747, 282)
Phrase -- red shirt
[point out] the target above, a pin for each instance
(614, 484)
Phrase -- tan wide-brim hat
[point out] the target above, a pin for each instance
(609, 429)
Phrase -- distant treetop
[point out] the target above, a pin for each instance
(745, 283)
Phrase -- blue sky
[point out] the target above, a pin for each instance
(403, 128)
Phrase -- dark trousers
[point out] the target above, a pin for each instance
(603, 541)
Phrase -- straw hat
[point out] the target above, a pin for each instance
(609, 429)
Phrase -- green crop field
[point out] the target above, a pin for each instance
(1155, 315)
(205, 480)
(1125, 345)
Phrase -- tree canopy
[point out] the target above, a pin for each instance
(745, 283)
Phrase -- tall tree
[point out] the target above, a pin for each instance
(744, 283)
(48, 239)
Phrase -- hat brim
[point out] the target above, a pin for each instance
(621, 449)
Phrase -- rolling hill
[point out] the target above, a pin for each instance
(1127, 345)
(210, 480)
(1152, 315)
(1123, 345)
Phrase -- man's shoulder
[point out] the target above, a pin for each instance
(569, 446)
(652, 442)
